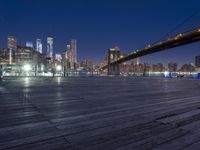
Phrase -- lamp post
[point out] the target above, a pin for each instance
(58, 68)
(27, 68)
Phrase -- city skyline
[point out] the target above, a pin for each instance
(99, 75)
(71, 51)
(111, 24)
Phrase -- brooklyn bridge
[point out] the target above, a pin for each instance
(180, 39)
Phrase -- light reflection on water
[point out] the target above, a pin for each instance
(26, 81)
(59, 80)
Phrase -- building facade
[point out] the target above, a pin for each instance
(23, 55)
(12, 46)
(50, 47)
(74, 50)
(72, 53)
(12, 43)
(172, 67)
(58, 57)
(187, 68)
(87, 65)
(29, 44)
(39, 45)
(197, 61)
(4, 56)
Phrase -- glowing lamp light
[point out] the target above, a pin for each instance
(58, 68)
(42, 68)
(166, 73)
(27, 67)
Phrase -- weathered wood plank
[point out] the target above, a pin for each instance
(99, 113)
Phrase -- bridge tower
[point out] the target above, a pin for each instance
(113, 55)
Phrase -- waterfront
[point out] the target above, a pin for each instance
(99, 113)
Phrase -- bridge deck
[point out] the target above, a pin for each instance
(99, 113)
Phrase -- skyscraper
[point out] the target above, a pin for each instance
(39, 45)
(67, 52)
(12, 43)
(68, 47)
(29, 44)
(69, 57)
(58, 57)
(50, 47)
(197, 61)
(12, 46)
(74, 50)
(72, 53)
(172, 67)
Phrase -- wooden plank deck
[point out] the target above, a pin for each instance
(99, 113)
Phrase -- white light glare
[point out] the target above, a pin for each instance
(58, 68)
(27, 67)
(166, 73)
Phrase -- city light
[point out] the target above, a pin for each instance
(42, 68)
(58, 68)
(166, 73)
(27, 67)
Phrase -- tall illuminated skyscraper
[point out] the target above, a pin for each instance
(50, 47)
(68, 47)
(12, 46)
(71, 54)
(74, 50)
(29, 44)
(172, 67)
(39, 45)
(68, 52)
(12, 43)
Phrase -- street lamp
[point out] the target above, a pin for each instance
(26, 67)
(166, 73)
(58, 68)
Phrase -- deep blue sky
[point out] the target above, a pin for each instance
(100, 24)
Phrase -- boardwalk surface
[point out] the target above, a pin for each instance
(99, 114)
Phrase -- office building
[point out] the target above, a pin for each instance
(172, 67)
(39, 45)
(197, 61)
(187, 68)
(74, 50)
(158, 67)
(29, 44)
(87, 65)
(23, 55)
(50, 47)
(72, 53)
(12, 46)
(58, 57)
(12, 43)
(68, 53)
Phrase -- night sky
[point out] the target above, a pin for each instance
(100, 24)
